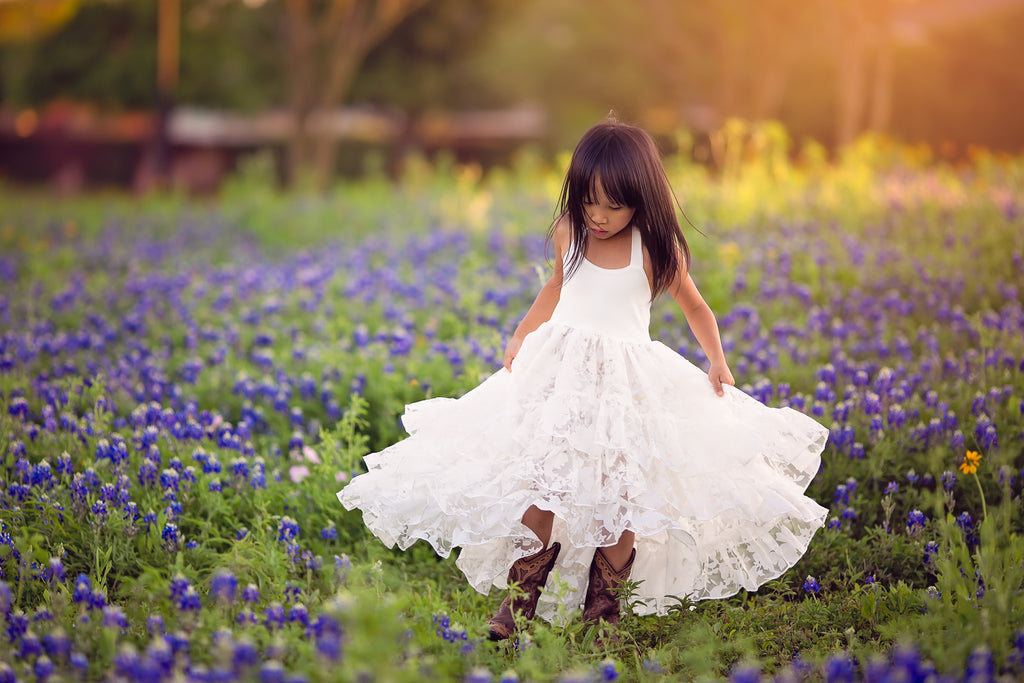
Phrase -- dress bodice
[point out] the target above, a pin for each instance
(614, 302)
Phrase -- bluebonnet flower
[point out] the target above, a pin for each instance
(99, 511)
(245, 654)
(18, 408)
(272, 672)
(892, 488)
(246, 616)
(931, 548)
(170, 536)
(148, 520)
(212, 465)
(966, 525)
(980, 581)
(258, 477)
(63, 464)
(30, 645)
(178, 585)
(811, 585)
(55, 571)
(242, 533)
(329, 532)
(83, 589)
(189, 600)
(43, 668)
(79, 491)
(57, 644)
(745, 673)
(169, 479)
(299, 613)
(1015, 660)
(287, 529)
(251, 593)
(147, 475)
(17, 626)
(342, 566)
(240, 468)
(155, 624)
(916, 521)
(223, 586)
(980, 666)
(948, 481)
(839, 669)
(79, 662)
(274, 615)
(127, 662)
(114, 617)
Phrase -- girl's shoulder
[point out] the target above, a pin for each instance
(561, 235)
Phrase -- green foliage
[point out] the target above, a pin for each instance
(880, 215)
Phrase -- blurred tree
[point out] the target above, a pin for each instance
(105, 54)
(431, 60)
(936, 70)
(24, 20)
(326, 43)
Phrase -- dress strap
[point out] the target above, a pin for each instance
(636, 251)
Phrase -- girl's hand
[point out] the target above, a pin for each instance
(511, 350)
(719, 374)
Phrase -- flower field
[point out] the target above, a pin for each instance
(185, 386)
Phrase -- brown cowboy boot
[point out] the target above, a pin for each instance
(530, 574)
(602, 601)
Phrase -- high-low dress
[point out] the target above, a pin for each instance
(610, 431)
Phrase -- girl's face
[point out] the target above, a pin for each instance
(605, 218)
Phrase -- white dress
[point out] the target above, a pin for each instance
(610, 431)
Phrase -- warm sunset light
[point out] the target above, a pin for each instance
(26, 123)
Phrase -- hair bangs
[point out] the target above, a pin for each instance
(611, 164)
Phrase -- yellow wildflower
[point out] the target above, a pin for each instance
(970, 463)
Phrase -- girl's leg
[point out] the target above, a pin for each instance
(539, 522)
(618, 554)
(529, 574)
(609, 569)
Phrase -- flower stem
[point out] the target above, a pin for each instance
(984, 511)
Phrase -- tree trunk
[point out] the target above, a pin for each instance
(881, 90)
(851, 66)
(324, 52)
(301, 61)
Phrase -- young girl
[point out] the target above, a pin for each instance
(594, 447)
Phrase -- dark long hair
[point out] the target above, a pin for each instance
(627, 162)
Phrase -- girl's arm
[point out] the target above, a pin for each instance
(705, 328)
(544, 305)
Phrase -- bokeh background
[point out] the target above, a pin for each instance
(130, 93)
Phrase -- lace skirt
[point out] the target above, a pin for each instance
(610, 436)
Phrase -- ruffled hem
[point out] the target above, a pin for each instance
(610, 435)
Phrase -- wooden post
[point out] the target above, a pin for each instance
(168, 40)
